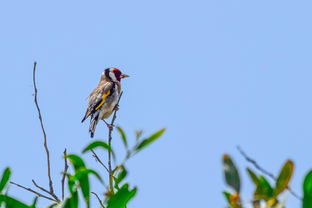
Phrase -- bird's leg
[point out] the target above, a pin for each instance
(109, 125)
(116, 108)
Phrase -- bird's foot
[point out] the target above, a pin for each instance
(116, 107)
(109, 126)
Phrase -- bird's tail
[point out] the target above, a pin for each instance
(93, 122)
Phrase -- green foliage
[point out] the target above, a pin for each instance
(80, 177)
(97, 144)
(123, 136)
(5, 178)
(78, 182)
(8, 201)
(284, 177)
(121, 175)
(264, 191)
(122, 197)
(149, 140)
(307, 190)
(253, 176)
(231, 173)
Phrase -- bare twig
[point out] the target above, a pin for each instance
(110, 145)
(98, 198)
(35, 192)
(98, 159)
(45, 144)
(45, 190)
(64, 173)
(261, 169)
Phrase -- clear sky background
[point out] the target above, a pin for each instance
(216, 74)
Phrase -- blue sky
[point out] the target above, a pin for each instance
(216, 74)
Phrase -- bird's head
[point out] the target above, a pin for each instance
(114, 74)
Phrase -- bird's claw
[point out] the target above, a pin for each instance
(111, 127)
(116, 107)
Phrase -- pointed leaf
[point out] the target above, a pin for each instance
(12, 203)
(83, 180)
(72, 201)
(123, 136)
(76, 161)
(227, 196)
(122, 197)
(264, 190)
(231, 173)
(284, 177)
(53, 205)
(97, 144)
(81, 173)
(34, 202)
(150, 139)
(5, 178)
(307, 190)
(253, 176)
(121, 175)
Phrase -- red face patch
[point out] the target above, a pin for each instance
(115, 69)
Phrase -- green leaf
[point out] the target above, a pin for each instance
(5, 178)
(227, 196)
(76, 161)
(12, 203)
(83, 180)
(34, 202)
(307, 190)
(122, 197)
(123, 136)
(99, 143)
(264, 190)
(253, 176)
(72, 201)
(121, 175)
(53, 205)
(150, 139)
(284, 177)
(81, 173)
(231, 173)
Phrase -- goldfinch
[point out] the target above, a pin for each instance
(103, 99)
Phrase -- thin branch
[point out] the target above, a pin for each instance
(101, 203)
(64, 173)
(35, 192)
(110, 144)
(44, 134)
(264, 171)
(45, 190)
(98, 159)
(42, 128)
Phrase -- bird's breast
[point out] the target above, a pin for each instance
(108, 106)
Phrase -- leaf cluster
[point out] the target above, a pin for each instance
(265, 192)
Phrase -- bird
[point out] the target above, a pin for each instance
(104, 98)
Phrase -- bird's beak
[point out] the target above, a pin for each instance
(124, 76)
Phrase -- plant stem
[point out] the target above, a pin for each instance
(110, 171)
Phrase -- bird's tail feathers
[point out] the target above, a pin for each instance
(93, 122)
(86, 116)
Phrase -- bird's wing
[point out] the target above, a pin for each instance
(97, 98)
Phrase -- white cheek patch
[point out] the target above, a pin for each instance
(112, 76)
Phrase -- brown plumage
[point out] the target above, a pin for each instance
(104, 97)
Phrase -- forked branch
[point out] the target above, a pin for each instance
(264, 171)
(45, 144)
